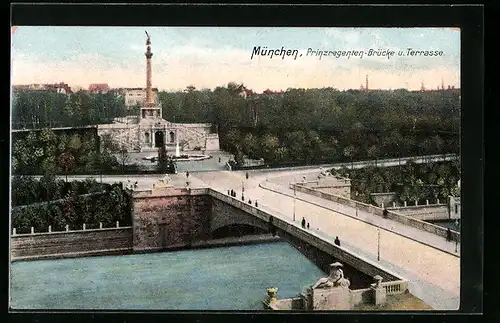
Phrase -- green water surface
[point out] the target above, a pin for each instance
(229, 278)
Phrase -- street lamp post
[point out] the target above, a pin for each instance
(294, 198)
(356, 204)
(378, 244)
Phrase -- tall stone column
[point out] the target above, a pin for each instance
(149, 91)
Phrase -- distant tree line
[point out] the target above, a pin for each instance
(70, 151)
(323, 124)
(41, 109)
(48, 201)
(411, 181)
(45, 152)
(299, 125)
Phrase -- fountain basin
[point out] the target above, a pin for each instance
(181, 158)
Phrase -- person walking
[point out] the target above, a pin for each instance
(303, 222)
(308, 225)
(448, 234)
(219, 159)
(337, 241)
(246, 175)
(384, 213)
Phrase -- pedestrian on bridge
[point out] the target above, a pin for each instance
(448, 234)
(303, 223)
(337, 241)
(308, 225)
(246, 175)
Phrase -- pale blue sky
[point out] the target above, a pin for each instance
(207, 57)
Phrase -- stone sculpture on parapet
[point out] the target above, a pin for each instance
(335, 279)
(329, 293)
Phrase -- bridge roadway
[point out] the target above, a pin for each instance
(434, 274)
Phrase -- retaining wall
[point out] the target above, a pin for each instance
(170, 218)
(384, 198)
(425, 212)
(70, 243)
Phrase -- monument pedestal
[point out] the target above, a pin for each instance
(380, 295)
(330, 299)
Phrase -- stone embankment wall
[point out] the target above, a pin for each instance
(122, 134)
(71, 243)
(384, 198)
(171, 218)
(331, 185)
(212, 142)
(424, 212)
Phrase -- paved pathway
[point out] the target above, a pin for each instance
(424, 237)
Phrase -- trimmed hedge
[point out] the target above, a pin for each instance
(74, 204)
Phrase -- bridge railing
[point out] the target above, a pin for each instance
(395, 287)
(375, 210)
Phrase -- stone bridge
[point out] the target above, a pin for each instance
(179, 218)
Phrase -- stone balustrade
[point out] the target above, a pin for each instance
(66, 230)
(392, 215)
(395, 287)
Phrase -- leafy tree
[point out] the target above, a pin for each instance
(373, 152)
(123, 156)
(269, 143)
(349, 152)
(250, 145)
(67, 162)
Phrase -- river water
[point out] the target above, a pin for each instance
(228, 278)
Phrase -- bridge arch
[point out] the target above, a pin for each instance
(238, 219)
(237, 230)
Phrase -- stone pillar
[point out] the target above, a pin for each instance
(416, 202)
(50, 228)
(100, 225)
(117, 224)
(84, 226)
(393, 204)
(14, 232)
(151, 138)
(437, 201)
(382, 205)
(380, 295)
(32, 230)
(405, 203)
(426, 202)
(67, 228)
